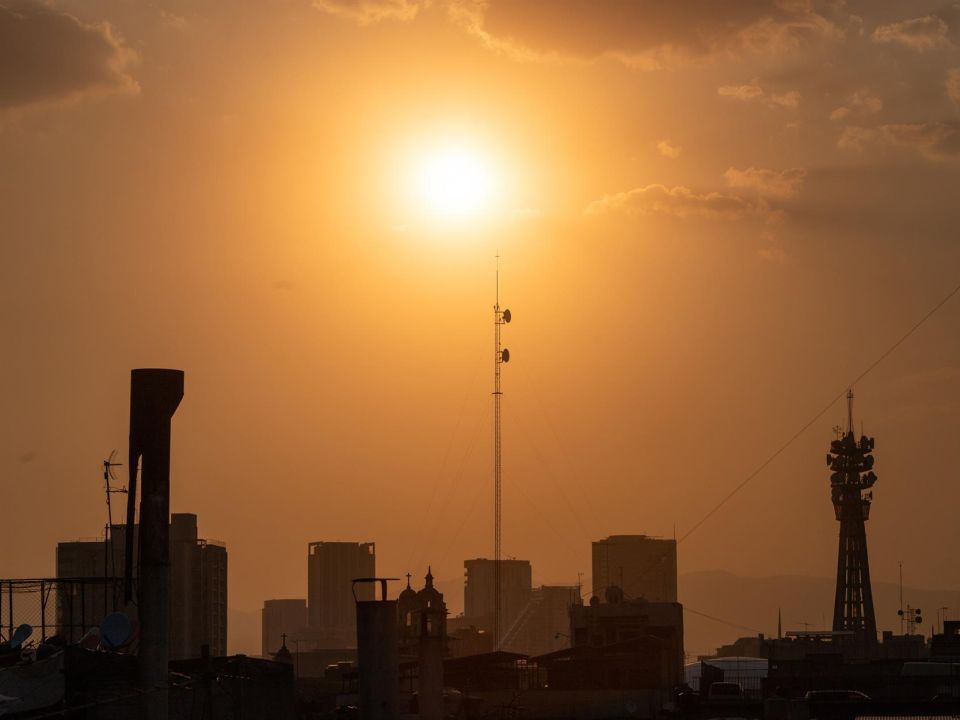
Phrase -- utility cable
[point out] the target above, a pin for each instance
(806, 426)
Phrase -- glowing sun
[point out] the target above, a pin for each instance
(455, 182)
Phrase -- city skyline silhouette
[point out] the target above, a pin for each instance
(707, 231)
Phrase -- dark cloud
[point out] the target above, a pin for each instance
(752, 91)
(754, 192)
(933, 140)
(49, 55)
(645, 32)
(677, 201)
(370, 11)
(922, 33)
(780, 184)
(953, 85)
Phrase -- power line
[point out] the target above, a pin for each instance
(719, 620)
(883, 356)
(806, 426)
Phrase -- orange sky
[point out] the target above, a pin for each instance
(711, 216)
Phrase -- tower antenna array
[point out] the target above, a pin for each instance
(850, 489)
(500, 355)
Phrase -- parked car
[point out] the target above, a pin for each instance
(724, 691)
(833, 696)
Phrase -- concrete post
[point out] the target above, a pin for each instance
(154, 398)
(430, 666)
(378, 656)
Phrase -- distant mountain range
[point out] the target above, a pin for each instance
(805, 602)
(745, 605)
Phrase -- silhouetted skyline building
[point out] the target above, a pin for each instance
(642, 566)
(331, 606)
(516, 578)
(543, 626)
(198, 590)
(198, 583)
(278, 618)
(626, 643)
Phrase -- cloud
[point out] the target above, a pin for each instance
(789, 100)
(782, 184)
(643, 34)
(669, 149)
(953, 85)
(677, 201)
(922, 33)
(859, 103)
(49, 55)
(933, 140)
(773, 254)
(752, 91)
(366, 12)
(741, 92)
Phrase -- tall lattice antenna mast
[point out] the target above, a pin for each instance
(501, 355)
(851, 483)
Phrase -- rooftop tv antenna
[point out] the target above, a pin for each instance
(108, 465)
(500, 355)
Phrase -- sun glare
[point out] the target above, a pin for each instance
(455, 182)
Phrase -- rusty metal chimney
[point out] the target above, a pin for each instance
(155, 395)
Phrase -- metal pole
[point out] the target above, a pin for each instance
(497, 470)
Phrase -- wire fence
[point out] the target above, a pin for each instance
(64, 607)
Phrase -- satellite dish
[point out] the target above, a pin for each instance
(20, 635)
(505, 355)
(507, 316)
(115, 630)
(90, 639)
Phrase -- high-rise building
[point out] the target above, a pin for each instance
(642, 566)
(279, 618)
(544, 624)
(516, 585)
(331, 604)
(198, 584)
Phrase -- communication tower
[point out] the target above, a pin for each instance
(500, 356)
(850, 484)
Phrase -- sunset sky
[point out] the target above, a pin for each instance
(711, 217)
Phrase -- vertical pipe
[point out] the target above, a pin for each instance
(378, 659)
(430, 666)
(154, 398)
(43, 612)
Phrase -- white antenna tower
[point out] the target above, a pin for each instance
(500, 356)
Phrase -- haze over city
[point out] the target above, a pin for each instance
(711, 219)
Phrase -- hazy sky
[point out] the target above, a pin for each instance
(711, 216)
